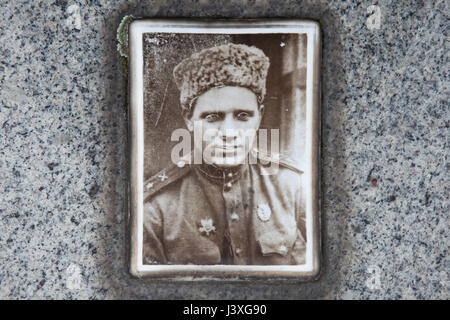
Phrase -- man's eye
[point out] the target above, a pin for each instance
(243, 116)
(212, 117)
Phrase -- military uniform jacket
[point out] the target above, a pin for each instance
(196, 216)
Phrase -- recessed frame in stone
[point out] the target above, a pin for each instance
(296, 61)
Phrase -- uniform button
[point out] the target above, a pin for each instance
(228, 185)
(230, 174)
(181, 164)
(234, 216)
(238, 251)
(283, 249)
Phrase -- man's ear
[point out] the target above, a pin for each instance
(261, 114)
(187, 119)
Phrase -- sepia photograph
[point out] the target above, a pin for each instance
(224, 134)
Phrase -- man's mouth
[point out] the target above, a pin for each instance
(227, 147)
(227, 151)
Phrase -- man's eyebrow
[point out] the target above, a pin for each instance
(250, 112)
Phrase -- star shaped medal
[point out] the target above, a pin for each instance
(207, 226)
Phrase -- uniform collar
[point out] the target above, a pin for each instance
(218, 175)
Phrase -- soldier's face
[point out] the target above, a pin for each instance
(230, 117)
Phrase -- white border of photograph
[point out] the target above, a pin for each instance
(137, 28)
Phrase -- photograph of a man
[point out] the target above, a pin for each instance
(226, 202)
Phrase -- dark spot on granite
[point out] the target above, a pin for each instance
(16, 172)
(369, 176)
(41, 283)
(14, 215)
(74, 221)
(92, 248)
(374, 182)
(94, 190)
(427, 199)
(61, 3)
(52, 165)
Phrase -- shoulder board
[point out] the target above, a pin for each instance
(279, 158)
(164, 178)
(290, 164)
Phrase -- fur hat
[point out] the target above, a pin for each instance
(225, 65)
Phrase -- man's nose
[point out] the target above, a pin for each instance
(228, 130)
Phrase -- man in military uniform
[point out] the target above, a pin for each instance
(224, 210)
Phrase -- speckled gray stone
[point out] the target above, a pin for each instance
(63, 151)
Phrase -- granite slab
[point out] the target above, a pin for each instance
(63, 150)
